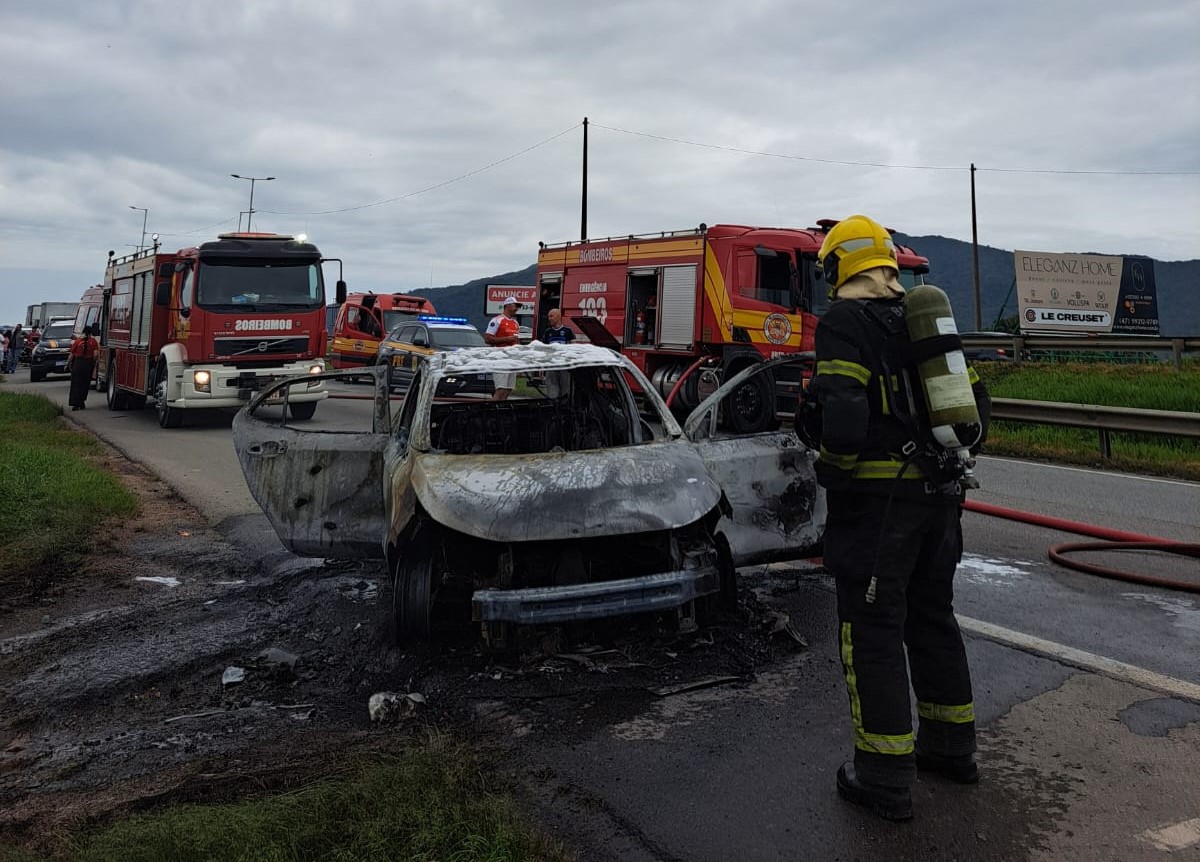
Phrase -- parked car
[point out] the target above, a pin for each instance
(50, 354)
(537, 509)
(409, 343)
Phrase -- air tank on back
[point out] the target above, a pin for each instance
(953, 416)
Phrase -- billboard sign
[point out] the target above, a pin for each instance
(497, 293)
(1085, 293)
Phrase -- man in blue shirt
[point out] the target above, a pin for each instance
(557, 382)
(556, 332)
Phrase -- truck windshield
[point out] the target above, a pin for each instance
(910, 279)
(265, 286)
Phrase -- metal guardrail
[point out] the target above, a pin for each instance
(1019, 344)
(1103, 419)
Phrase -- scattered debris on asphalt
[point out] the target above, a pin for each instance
(233, 675)
(389, 706)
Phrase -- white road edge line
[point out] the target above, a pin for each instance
(1177, 836)
(1118, 670)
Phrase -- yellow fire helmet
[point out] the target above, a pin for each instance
(853, 245)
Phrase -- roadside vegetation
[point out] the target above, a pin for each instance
(434, 803)
(54, 495)
(1147, 386)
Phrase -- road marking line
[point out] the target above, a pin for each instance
(1178, 836)
(1119, 670)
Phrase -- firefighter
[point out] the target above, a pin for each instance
(892, 540)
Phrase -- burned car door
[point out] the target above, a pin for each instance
(322, 490)
(769, 479)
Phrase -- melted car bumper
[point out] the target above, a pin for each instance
(651, 593)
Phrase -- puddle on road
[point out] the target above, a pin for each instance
(1184, 613)
(159, 579)
(991, 572)
(770, 687)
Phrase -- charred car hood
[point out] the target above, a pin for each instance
(567, 495)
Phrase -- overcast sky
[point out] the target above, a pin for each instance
(110, 105)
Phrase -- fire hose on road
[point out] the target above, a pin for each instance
(1113, 540)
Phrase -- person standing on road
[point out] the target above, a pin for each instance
(82, 364)
(504, 331)
(557, 382)
(892, 542)
(16, 342)
(3, 351)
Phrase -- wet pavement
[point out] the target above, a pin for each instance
(632, 743)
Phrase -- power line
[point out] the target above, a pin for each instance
(859, 164)
(438, 185)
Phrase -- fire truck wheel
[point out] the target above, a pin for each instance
(303, 410)
(751, 406)
(412, 589)
(168, 416)
(117, 399)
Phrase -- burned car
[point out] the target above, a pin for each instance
(579, 497)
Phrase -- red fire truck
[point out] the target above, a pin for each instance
(209, 326)
(694, 307)
(365, 319)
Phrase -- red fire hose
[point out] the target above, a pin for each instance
(1114, 540)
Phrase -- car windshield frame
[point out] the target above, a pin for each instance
(67, 329)
(440, 342)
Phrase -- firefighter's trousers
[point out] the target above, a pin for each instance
(910, 603)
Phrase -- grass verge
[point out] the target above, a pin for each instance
(53, 495)
(433, 803)
(1152, 387)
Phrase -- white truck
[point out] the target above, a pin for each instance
(42, 313)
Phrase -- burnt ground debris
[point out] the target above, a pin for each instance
(111, 693)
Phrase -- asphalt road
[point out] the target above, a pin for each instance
(1088, 692)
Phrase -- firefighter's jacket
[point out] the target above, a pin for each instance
(862, 441)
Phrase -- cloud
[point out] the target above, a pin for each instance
(151, 104)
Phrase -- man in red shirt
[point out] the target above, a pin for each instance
(503, 331)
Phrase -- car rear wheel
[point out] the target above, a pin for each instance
(412, 588)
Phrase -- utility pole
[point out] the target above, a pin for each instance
(975, 253)
(583, 235)
(253, 180)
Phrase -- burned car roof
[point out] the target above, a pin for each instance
(534, 356)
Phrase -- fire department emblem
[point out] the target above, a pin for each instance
(777, 328)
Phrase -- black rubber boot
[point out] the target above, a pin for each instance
(961, 769)
(890, 803)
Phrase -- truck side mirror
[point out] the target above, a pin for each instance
(162, 293)
(341, 292)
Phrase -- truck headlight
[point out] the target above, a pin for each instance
(202, 380)
(316, 368)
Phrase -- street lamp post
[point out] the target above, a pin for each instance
(253, 180)
(145, 215)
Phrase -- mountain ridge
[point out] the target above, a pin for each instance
(950, 262)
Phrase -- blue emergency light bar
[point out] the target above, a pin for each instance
(433, 318)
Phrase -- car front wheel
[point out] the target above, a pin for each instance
(412, 588)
